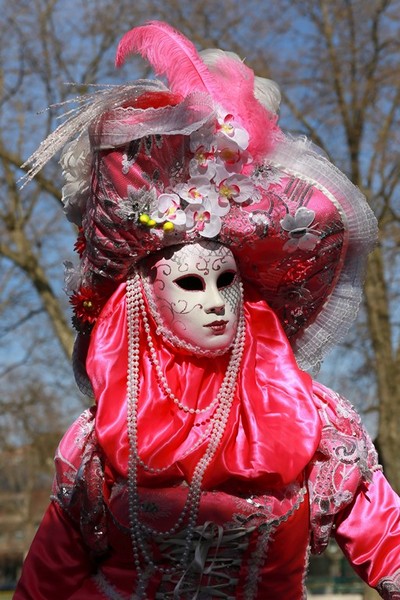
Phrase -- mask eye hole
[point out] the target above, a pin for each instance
(226, 279)
(190, 283)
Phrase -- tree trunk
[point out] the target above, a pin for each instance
(50, 303)
(386, 368)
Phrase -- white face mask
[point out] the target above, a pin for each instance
(195, 293)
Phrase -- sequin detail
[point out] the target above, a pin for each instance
(78, 488)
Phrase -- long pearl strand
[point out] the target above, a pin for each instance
(135, 311)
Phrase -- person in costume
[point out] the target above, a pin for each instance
(219, 260)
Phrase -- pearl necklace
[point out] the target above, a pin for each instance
(159, 372)
(168, 392)
(135, 310)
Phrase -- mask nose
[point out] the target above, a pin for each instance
(214, 302)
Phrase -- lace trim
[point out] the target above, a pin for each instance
(341, 306)
(389, 587)
(345, 458)
(78, 489)
(305, 571)
(259, 556)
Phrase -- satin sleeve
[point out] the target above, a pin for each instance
(368, 532)
(351, 500)
(58, 560)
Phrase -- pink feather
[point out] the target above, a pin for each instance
(228, 81)
(237, 97)
(170, 54)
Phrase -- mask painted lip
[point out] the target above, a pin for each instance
(218, 327)
(217, 324)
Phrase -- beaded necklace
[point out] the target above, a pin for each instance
(136, 311)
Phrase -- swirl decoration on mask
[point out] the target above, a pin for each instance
(194, 294)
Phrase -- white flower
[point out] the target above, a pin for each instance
(301, 235)
(196, 190)
(236, 188)
(215, 183)
(169, 210)
(227, 128)
(231, 157)
(202, 219)
(203, 162)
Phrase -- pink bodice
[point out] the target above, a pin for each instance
(245, 546)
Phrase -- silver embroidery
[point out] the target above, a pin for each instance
(106, 588)
(344, 459)
(266, 530)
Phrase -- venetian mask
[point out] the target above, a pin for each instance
(194, 294)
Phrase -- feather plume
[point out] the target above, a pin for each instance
(238, 87)
(171, 55)
(220, 74)
(266, 91)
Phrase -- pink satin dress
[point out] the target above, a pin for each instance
(294, 468)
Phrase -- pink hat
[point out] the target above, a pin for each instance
(154, 166)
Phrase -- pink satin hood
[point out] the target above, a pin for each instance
(273, 428)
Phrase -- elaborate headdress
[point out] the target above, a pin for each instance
(154, 166)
